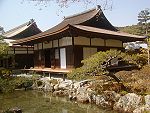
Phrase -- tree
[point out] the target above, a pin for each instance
(99, 63)
(105, 4)
(144, 18)
(1, 30)
(4, 47)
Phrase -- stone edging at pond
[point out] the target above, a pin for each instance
(82, 92)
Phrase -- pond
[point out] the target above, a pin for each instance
(39, 102)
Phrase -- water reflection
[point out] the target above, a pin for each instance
(38, 102)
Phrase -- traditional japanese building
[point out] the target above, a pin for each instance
(77, 37)
(21, 56)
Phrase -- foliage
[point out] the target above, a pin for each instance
(142, 28)
(143, 18)
(4, 73)
(6, 85)
(133, 29)
(4, 47)
(11, 83)
(97, 63)
(23, 82)
(106, 4)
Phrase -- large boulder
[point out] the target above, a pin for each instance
(82, 95)
(145, 108)
(48, 86)
(65, 85)
(147, 100)
(107, 99)
(128, 103)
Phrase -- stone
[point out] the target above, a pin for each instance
(128, 103)
(82, 95)
(147, 100)
(60, 93)
(145, 108)
(14, 110)
(47, 87)
(107, 99)
(101, 101)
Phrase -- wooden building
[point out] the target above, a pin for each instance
(77, 37)
(21, 56)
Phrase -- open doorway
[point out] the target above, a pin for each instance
(47, 58)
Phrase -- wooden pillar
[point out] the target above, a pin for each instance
(49, 74)
(59, 53)
(63, 77)
(73, 50)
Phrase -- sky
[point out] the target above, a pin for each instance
(16, 12)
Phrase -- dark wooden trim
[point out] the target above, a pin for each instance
(59, 53)
(14, 50)
(90, 42)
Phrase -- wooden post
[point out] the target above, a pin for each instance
(49, 75)
(63, 77)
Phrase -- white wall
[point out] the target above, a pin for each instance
(63, 58)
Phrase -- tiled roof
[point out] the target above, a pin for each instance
(15, 31)
(93, 21)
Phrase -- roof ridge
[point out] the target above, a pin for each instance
(30, 22)
(81, 13)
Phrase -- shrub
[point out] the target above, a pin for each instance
(12, 83)
(6, 85)
(97, 64)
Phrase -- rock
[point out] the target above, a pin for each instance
(82, 95)
(60, 93)
(48, 87)
(107, 99)
(145, 108)
(56, 87)
(100, 101)
(14, 110)
(128, 103)
(65, 85)
(147, 100)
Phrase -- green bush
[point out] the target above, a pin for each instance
(12, 83)
(6, 85)
(97, 63)
(23, 82)
(4, 73)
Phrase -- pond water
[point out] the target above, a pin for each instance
(39, 102)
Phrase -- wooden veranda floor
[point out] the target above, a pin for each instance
(49, 70)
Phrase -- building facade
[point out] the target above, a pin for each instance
(76, 38)
(19, 56)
